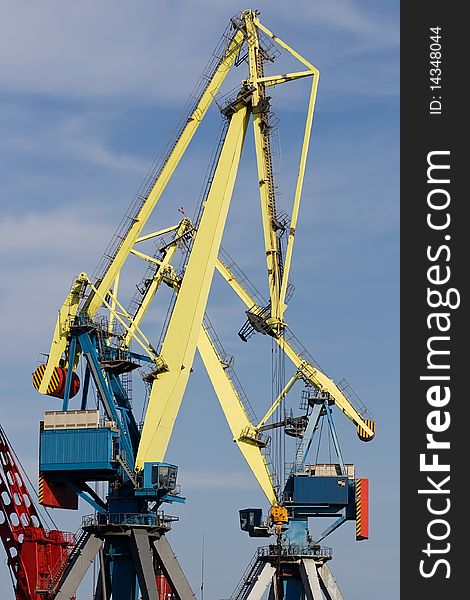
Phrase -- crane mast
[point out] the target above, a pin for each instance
(265, 173)
(100, 440)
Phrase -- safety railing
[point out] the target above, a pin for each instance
(296, 550)
(151, 519)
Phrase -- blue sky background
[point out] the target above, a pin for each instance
(89, 93)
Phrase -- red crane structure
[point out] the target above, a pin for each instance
(36, 556)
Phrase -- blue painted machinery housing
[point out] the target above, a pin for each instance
(90, 453)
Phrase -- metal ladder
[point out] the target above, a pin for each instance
(51, 588)
(249, 577)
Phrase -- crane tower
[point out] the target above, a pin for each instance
(94, 436)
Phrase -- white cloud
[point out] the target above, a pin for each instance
(46, 238)
(343, 15)
(148, 51)
(91, 49)
(79, 136)
(42, 259)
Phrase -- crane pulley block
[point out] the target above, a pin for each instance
(279, 515)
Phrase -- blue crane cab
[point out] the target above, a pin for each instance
(159, 482)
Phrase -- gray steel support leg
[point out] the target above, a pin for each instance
(102, 593)
(103, 587)
(172, 570)
(328, 583)
(272, 590)
(99, 592)
(309, 575)
(78, 567)
(261, 582)
(143, 561)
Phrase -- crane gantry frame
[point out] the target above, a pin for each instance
(185, 331)
(127, 532)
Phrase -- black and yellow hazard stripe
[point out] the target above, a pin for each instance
(41, 488)
(38, 375)
(54, 383)
(362, 433)
(358, 509)
(362, 508)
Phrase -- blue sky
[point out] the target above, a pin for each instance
(89, 93)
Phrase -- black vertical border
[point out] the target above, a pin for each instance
(421, 133)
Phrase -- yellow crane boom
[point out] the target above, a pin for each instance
(185, 332)
(179, 345)
(309, 371)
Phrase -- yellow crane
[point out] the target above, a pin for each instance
(247, 40)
